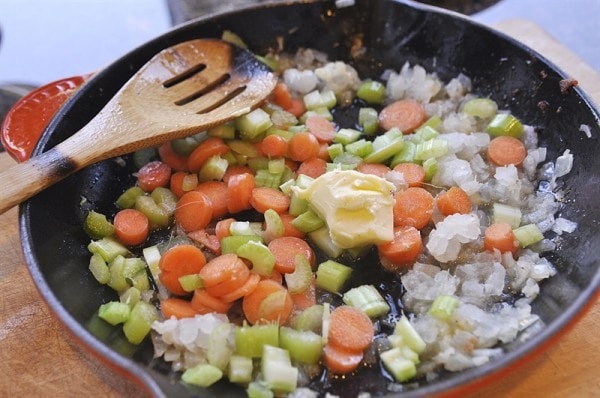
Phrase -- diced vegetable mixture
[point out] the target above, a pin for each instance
(303, 246)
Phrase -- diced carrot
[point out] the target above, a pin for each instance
(324, 151)
(265, 198)
(339, 361)
(376, 169)
(274, 146)
(204, 303)
(405, 114)
(212, 146)
(179, 261)
(286, 248)
(153, 175)
(216, 191)
(313, 167)
(193, 211)
(454, 200)
(321, 128)
(206, 240)
(222, 228)
(176, 307)
(236, 170)
(303, 146)
(413, 207)
(414, 174)
(176, 184)
(244, 290)
(350, 329)
(239, 189)
(500, 236)
(170, 157)
(505, 150)
(282, 96)
(403, 250)
(307, 298)
(288, 228)
(277, 309)
(224, 274)
(275, 276)
(297, 108)
(291, 164)
(131, 227)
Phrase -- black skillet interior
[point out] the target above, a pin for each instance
(392, 33)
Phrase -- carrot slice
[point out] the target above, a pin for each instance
(403, 250)
(307, 298)
(217, 193)
(313, 167)
(274, 146)
(212, 146)
(413, 207)
(282, 96)
(176, 184)
(265, 198)
(251, 304)
(178, 261)
(454, 200)
(288, 228)
(224, 274)
(500, 236)
(204, 303)
(193, 211)
(239, 190)
(339, 361)
(376, 169)
(206, 240)
(131, 227)
(244, 290)
(276, 307)
(170, 157)
(414, 174)
(303, 146)
(153, 175)
(176, 307)
(236, 170)
(505, 150)
(324, 151)
(405, 114)
(321, 128)
(223, 228)
(350, 329)
(286, 248)
(297, 108)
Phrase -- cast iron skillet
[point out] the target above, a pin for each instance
(392, 32)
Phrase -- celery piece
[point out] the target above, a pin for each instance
(359, 251)
(152, 256)
(202, 375)
(304, 346)
(219, 349)
(297, 205)
(385, 148)
(259, 255)
(259, 390)
(165, 199)
(186, 145)
(108, 248)
(274, 130)
(431, 167)
(322, 239)
(347, 161)
(401, 368)
(282, 118)
(140, 281)
(142, 157)
(114, 312)
(225, 131)
(316, 99)
(424, 133)
(405, 155)
(249, 340)
(277, 370)
(139, 323)
(117, 280)
(239, 369)
(367, 299)
(276, 166)
(320, 112)
(433, 148)
(505, 124)
(127, 199)
(482, 108)
(310, 319)
(528, 235)
(133, 266)
(506, 214)
(308, 221)
(244, 228)
(273, 302)
(299, 280)
(230, 244)
(409, 335)
(274, 227)
(156, 214)
(130, 296)
(99, 269)
(346, 136)
(304, 181)
(286, 187)
(265, 178)
(335, 150)
(368, 120)
(252, 124)
(233, 38)
(361, 148)
(434, 121)
(258, 163)
(213, 169)
(397, 342)
(243, 148)
(97, 226)
(332, 276)
(443, 307)
(190, 282)
(371, 91)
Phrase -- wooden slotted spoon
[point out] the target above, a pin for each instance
(182, 90)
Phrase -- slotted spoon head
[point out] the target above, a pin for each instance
(182, 90)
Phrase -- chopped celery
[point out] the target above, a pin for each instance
(239, 369)
(97, 226)
(266, 178)
(423, 134)
(299, 280)
(281, 118)
(219, 349)
(249, 340)
(361, 148)
(304, 346)
(133, 266)
(316, 99)
(297, 205)
(202, 375)
(346, 136)
(431, 167)
(368, 120)
(385, 146)
(505, 124)
(303, 181)
(401, 368)
(108, 248)
(286, 187)
(405, 155)
(244, 228)
(371, 91)
(273, 301)
(259, 390)
(308, 221)
(252, 124)
(276, 166)
(127, 199)
(332, 276)
(233, 38)
(507, 214)
(139, 323)
(320, 111)
(213, 169)
(259, 255)
(230, 244)
(243, 148)
(143, 156)
(185, 146)
(325, 323)
(117, 280)
(359, 251)
(322, 239)
(189, 182)
(346, 161)
(277, 370)
(274, 227)
(528, 235)
(190, 282)
(367, 299)
(114, 312)
(433, 148)
(443, 307)
(99, 269)
(130, 296)
(310, 319)
(434, 121)
(152, 256)
(140, 281)
(482, 108)
(409, 335)
(165, 198)
(335, 150)
(258, 163)
(155, 213)
(225, 131)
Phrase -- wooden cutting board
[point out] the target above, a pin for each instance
(38, 358)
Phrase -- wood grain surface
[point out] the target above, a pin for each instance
(38, 358)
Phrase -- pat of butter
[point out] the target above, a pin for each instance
(357, 207)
